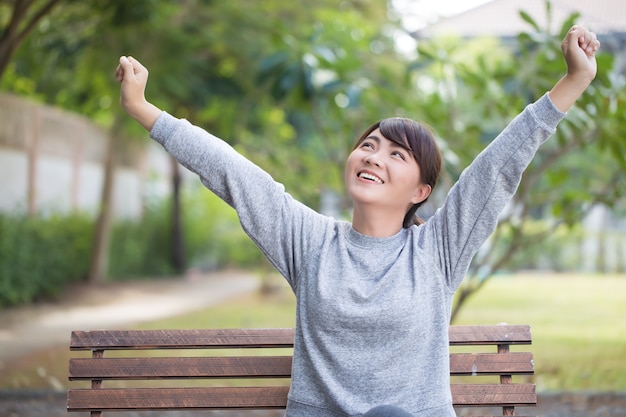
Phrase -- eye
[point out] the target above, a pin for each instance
(399, 154)
(366, 144)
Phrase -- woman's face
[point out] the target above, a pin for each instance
(379, 171)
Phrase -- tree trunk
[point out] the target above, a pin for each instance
(100, 249)
(463, 294)
(178, 241)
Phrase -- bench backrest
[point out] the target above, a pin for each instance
(209, 366)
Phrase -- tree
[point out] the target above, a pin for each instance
(292, 90)
(559, 186)
(203, 64)
(323, 73)
(65, 67)
(18, 20)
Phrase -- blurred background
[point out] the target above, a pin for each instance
(86, 198)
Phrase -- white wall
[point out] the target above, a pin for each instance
(61, 155)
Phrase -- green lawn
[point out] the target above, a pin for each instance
(578, 325)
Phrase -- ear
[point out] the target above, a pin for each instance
(421, 193)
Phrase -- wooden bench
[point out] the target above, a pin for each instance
(482, 369)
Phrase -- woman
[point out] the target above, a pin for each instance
(374, 295)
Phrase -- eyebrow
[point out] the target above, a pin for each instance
(393, 143)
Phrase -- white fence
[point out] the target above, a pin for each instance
(52, 161)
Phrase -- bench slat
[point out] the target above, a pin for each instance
(181, 339)
(517, 363)
(255, 338)
(266, 366)
(518, 334)
(160, 368)
(177, 398)
(485, 395)
(493, 395)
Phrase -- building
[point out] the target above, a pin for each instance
(502, 18)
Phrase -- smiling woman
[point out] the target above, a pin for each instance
(397, 149)
(373, 295)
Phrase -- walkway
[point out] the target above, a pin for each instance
(29, 329)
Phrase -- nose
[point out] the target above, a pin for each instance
(373, 159)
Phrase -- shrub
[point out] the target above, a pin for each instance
(213, 235)
(213, 239)
(40, 256)
(141, 248)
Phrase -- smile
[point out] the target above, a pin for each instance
(371, 177)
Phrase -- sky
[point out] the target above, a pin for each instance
(418, 13)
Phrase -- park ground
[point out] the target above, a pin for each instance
(30, 335)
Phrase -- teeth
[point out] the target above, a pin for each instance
(370, 177)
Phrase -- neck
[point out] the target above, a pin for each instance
(376, 222)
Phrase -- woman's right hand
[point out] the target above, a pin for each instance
(133, 78)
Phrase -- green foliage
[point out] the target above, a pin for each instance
(470, 94)
(213, 235)
(560, 250)
(141, 249)
(317, 71)
(40, 256)
(291, 91)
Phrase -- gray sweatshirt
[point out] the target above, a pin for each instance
(372, 313)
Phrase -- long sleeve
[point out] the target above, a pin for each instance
(473, 205)
(284, 229)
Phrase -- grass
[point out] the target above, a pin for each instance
(578, 326)
(579, 331)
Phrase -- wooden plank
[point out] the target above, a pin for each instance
(490, 335)
(518, 363)
(180, 368)
(177, 398)
(493, 395)
(234, 338)
(483, 395)
(181, 339)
